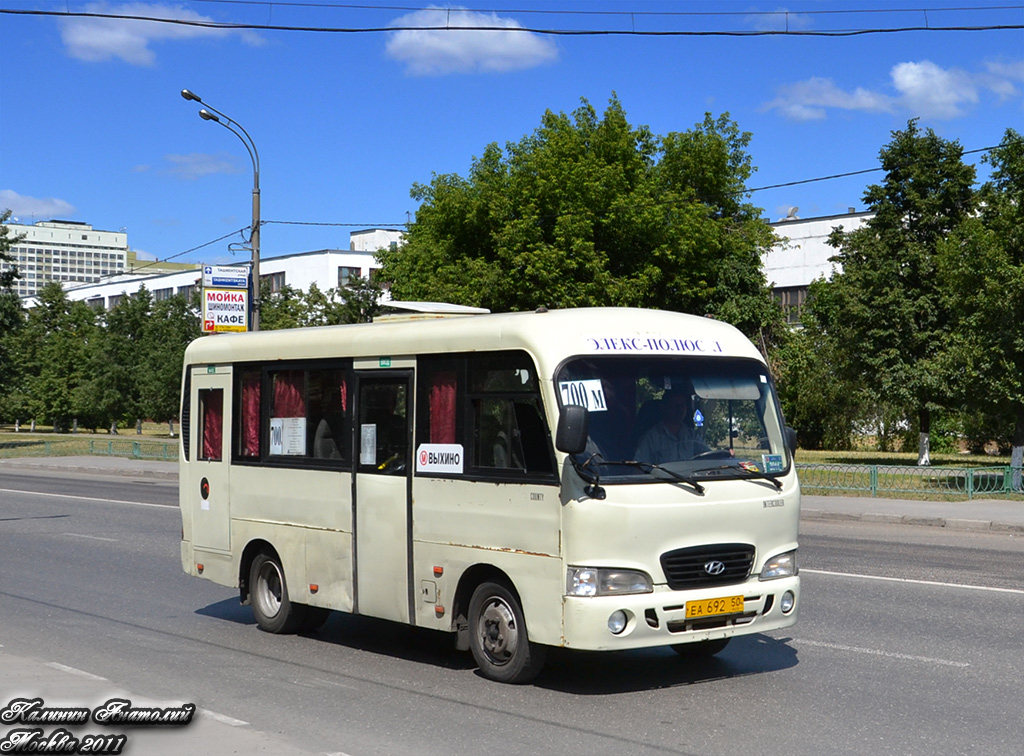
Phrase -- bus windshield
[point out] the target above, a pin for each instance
(704, 418)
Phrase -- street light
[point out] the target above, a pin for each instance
(250, 146)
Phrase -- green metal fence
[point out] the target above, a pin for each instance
(900, 480)
(66, 446)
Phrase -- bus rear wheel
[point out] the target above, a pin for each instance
(498, 638)
(268, 594)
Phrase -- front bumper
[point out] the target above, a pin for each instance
(659, 618)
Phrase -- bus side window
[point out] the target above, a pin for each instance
(531, 438)
(247, 414)
(497, 440)
(329, 423)
(211, 424)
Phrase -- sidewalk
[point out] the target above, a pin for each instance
(119, 466)
(976, 514)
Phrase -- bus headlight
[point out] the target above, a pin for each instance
(781, 566)
(593, 581)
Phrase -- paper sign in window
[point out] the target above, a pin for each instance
(588, 393)
(368, 444)
(288, 436)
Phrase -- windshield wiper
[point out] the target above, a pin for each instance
(648, 467)
(745, 473)
(594, 490)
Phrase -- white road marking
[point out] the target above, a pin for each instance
(76, 672)
(886, 654)
(88, 498)
(914, 582)
(222, 718)
(94, 538)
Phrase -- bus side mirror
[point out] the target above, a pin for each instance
(573, 429)
(791, 441)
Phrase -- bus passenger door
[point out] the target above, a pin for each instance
(210, 470)
(382, 516)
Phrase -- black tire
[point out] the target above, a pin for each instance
(703, 650)
(268, 595)
(498, 636)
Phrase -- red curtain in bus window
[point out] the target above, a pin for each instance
(442, 408)
(212, 402)
(251, 414)
(288, 394)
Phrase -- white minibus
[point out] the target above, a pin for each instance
(593, 479)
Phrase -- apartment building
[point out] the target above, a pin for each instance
(66, 251)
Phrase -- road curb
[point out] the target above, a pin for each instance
(895, 519)
(25, 466)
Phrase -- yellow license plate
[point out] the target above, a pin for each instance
(711, 607)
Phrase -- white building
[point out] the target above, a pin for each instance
(803, 256)
(372, 239)
(66, 251)
(74, 253)
(327, 268)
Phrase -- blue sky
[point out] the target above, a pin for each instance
(92, 126)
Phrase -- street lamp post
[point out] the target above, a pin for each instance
(254, 236)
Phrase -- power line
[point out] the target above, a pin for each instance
(622, 13)
(839, 175)
(179, 254)
(324, 223)
(233, 26)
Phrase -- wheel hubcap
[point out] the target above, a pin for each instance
(268, 589)
(498, 632)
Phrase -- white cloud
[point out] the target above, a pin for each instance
(26, 208)
(808, 100)
(919, 89)
(1013, 70)
(932, 92)
(99, 39)
(196, 165)
(1001, 78)
(444, 51)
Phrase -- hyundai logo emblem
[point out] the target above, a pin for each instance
(714, 568)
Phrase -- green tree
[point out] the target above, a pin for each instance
(54, 346)
(818, 401)
(889, 323)
(358, 302)
(983, 267)
(173, 324)
(116, 363)
(589, 211)
(285, 308)
(293, 308)
(7, 242)
(12, 318)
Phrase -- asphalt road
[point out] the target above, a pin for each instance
(909, 642)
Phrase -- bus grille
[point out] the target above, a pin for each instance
(686, 568)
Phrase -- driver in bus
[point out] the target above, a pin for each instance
(673, 437)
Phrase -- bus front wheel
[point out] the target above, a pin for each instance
(497, 636)
(268, 594)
